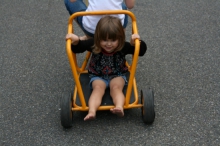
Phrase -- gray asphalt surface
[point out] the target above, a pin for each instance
(181, 64)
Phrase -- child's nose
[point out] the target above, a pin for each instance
(108, 42)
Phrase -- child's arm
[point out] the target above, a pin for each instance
(129, 47)
(80, 46)
(129, 3)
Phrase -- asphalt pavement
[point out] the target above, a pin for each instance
(181, 65)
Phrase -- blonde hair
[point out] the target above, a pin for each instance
(109, 27)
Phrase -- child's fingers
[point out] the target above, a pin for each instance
(67, 36)
(135, 36)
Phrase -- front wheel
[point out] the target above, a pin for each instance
(66, 113)
(147, 100)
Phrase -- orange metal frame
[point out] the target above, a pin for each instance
(76, 70)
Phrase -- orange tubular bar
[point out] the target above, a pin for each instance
(78, 108)
(76, 70)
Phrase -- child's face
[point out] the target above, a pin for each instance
(109, 45)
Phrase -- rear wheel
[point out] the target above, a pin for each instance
(66, 113)
(147, 100)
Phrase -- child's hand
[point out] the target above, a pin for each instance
(129, 3)
(74, 38)
(133, 37)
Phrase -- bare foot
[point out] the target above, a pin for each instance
(90, 116)
(119, 111)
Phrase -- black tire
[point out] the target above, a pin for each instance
(66, 113)
(147, 100)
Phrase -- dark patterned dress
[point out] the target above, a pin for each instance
(107, 65)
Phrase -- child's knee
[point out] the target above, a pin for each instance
(97, 87)
(115, 89)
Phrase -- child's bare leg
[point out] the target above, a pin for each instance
(95, 98)
(116, 87)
